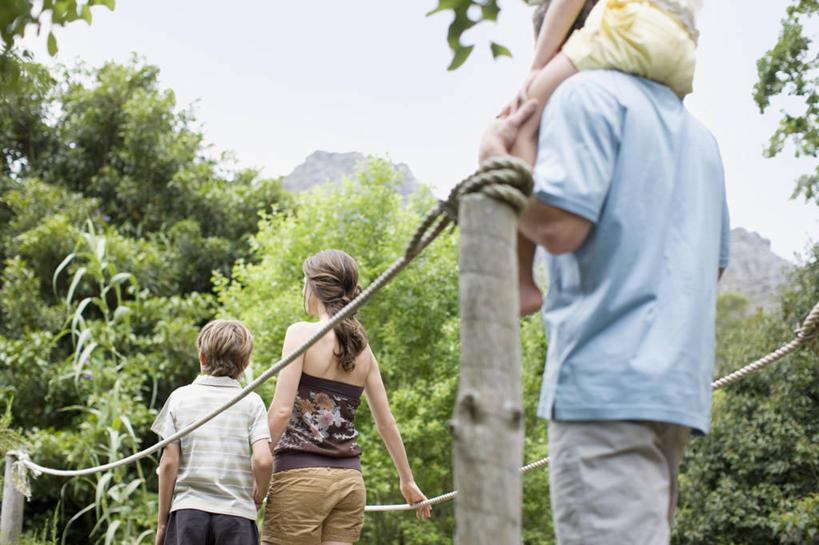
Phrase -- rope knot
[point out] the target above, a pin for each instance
(20, 472)
(503, 178)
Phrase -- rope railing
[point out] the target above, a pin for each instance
(503, 178)
(805, 333)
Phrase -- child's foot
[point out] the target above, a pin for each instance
(530, 299)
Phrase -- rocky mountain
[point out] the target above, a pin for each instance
(754, 270)
(325, 166)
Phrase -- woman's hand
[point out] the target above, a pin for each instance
(413, 494)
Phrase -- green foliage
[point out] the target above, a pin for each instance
(791, 68)
(752, 480)
(9, 438)
(112, 221)
(413, 328)
(801, 525)
(16, 15)
(465, 15)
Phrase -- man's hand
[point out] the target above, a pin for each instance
(499, 136)
(160, 534)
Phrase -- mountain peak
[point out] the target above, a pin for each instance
(329, 167)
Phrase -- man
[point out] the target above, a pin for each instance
(629, 202)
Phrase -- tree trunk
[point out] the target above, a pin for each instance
(488, 421)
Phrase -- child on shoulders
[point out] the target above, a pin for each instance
(654, 39)
(209, 482)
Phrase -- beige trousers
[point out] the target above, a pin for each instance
(614, 482)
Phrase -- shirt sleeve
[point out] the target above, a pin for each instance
(258, 423)
(577, 148)
(165, 424)
(725, 237)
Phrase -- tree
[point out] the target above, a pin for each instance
(16, 15)
(752, 479)
(791, 68)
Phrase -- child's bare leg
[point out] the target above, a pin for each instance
(530, 296)
(542, 87)
(525, 147)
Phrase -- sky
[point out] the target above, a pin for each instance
(272, 81)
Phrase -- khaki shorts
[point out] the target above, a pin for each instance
(636, 37)
(314, 504)
(614, 482)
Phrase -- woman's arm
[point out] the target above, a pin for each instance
(388, 430)
(168, 469)
(288, 383)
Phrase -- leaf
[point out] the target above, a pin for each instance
(119, 278)
(84, 336)
(100, 249)
(78, 313)
(499, 51)
(133, 485)
(444, 5)
(121, 311)
(460, 56)
(490, 11)
(102, 485)
(86, 353)
(127, 423)
(144, 534)
(110, 533)
(52, 44)
(110, 4)
(63, 264)
(80, 513)
(85, 13)
(74, 281)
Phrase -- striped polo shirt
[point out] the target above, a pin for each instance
(214, 464)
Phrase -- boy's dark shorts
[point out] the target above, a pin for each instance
(194, 527)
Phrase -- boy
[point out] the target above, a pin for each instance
(208, 492)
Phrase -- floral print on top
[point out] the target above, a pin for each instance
(322, 419)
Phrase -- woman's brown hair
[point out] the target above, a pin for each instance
(332, 276)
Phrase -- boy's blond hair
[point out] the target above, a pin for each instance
(226, 346)
(543, 5)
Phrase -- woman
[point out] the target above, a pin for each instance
(317, 493)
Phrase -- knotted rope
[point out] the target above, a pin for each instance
(805, 333)
(502, 178)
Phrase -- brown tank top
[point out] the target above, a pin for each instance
(321, 432)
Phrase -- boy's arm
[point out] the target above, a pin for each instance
(557, 23)
(262, 464)
(168, 468)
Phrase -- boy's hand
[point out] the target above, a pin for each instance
(258, 496)
(160, 534)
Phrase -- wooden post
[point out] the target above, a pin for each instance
(488, 421)
(11, 518)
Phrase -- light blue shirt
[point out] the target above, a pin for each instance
(629, 315)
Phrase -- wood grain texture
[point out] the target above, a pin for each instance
(487, 424)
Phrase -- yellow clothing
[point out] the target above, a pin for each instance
(638, 37)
